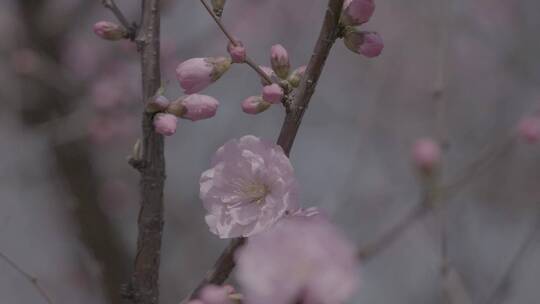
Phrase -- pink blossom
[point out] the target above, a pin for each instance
(280, 61)
(426, 154)
(165, 123)
(199, 107)
(109, 30)
(237, 52)
(196, 74)
(250, 186)
(255, 105)
(356, 12)
(369, 44)
(212, 294)
(529, 129)
(299, 260)
(272, 93)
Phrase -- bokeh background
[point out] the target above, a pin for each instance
(464, 72)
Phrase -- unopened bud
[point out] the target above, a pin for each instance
(199, 107)
(356, 12)
(529, 129)
(158, 103)
(176, 108)
(237, 52)
(426, 155)
(280, 61)
(255, 105)
(165, 123)
(109, 30)
(217, 7)
(272, 93)
(369, 44)
(296, 76)
(196, 74)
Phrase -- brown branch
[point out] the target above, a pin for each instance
(30, 278)
(144, 287)
(328, 35)
(130, 27)
(229, 36)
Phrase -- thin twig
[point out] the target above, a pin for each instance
(229, 36)
(30, 278)
(130, 27)
(225, 264)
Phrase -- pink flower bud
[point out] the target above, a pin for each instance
(109, 30)
(356, 12)
(369, 44)
(529, 129)
(272, 93)
(196, 74)
(269, 72)
(237, 52)
(255, 105)
(165, 123)
(212, 294)
(426, 154)
(199, 107)
(296, 76)
(280, 61)
(158, 103)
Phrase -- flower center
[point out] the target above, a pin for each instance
(255, 192)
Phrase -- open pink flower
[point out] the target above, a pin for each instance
(301, 259)
(250, 186)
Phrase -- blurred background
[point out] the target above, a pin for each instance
(464, 72)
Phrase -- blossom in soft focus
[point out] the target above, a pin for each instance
(109, 30)
(237, 52)
(195, 74)
(296, 76)
(272, 93)
(199, 107)
(212, 294)
(280, 61)
(299, 260)
(255, 105)
(529, 129)
(165, 123)
(426, 154)
(369, 44)
(356, 12)
(250, 186)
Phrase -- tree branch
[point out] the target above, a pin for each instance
(30, 278)
(144, 288)
(328, 35)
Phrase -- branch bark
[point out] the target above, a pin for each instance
(327, 37)
(144, 288)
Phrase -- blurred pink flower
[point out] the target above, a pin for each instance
(250, 186)
(280, 60)
(272, 93)
(212, 294)
(254, 105)
(299, 260)
(529, 129)
(196, 74)
(165, 123)
(426, 154)
(356, 12)
(199, 107)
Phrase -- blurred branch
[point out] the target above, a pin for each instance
(130, 27)
(497, 295)
(144, 285)
(30, 278)
(229, 36)
(328, 35)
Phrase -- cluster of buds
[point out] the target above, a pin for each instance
(166, 113)
(283, 81)
(354, 14)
